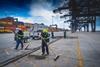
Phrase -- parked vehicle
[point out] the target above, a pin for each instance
(36, 35)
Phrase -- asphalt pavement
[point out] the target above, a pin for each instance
(80, 49)
(7, 45)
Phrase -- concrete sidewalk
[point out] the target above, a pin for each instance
(78, 50)
(8, 44)
(65, 48)
(11, 52)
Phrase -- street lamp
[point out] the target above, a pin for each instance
(52, 19)
(16, 21)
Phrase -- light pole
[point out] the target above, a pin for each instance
(52, 20)
(16, 22)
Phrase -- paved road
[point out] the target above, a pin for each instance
(78, 50)
(7, 45)
(6, 40)
(90, 47)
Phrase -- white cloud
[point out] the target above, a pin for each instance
(43, 11)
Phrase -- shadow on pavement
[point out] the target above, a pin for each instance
(37, 57)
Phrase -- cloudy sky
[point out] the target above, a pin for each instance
(33, 11)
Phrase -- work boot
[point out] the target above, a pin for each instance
(47, 54)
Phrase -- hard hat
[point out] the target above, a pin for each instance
(45, 30)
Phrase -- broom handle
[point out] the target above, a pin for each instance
(48, 46)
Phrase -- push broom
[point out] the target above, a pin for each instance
(57, 56)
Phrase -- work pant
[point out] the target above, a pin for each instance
(25, 39)
(19, 42)
(44, 47)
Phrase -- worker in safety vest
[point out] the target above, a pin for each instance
(19, 39)
(45, 39)
(15, 33)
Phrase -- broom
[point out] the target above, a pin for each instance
(57, 56)
(27, 46)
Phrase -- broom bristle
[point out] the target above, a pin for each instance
(56, 58)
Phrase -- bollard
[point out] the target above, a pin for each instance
(64, 33)
(52, 34)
